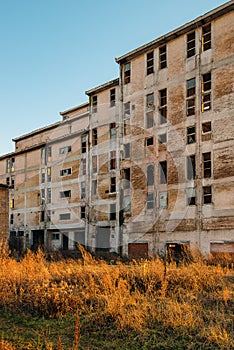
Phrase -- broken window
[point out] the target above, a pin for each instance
(49, 195)
(150, 101)
(82, 190)
(82, 212)
(190, 96)
(65, 216)
(191, 134)
(206, 37)
(163, 57)
(191, 44)
(49, 174)
(94, 137)
(42, 196)
(150, 175)
(94, 164)
(42, 215)
(113, 160)
(206, 164)
(191, 196)
(55, 236)
(65, 194)
(112, 97)
(65, 172)
(163, 106)
(191, 167)
(127, 73)
(163, 172)
(42, 175)
(112, 185)
(12, 219)
(206, 92)
(150, 62)
(113, 131)
(8, 181)
(162, 138)
(112, 212)
(127, 204)
(149, 141)
(84, 140)
(149, 119)
(83, 166)
(65, 150)
(206, 127)
(94, 187)
(150, 200)
(127, 109)
(10, 165)
(163, 200)
(94, 103)
(126, 150)
(126, 178)
(207, 194)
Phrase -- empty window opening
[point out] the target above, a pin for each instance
(150, 101)
(127, 73)
(163, 172)
(191, 134)
(113, 160)
(190, 96)
(65, 172)
(191, 44)
(149, 141)
(82, 212)
(206, 92)
(84, 140)
(94, 137)
(163, 57)
(191, 167)
(163, 106)
(113, 131)
(112, 212)
(127, 177)
(206, 37)
(150, 63)
(191, 196)
(65, 194)
(112, 185)
(206, 164)
(94, 104)
(82, 190)
(206, 127)
(207, 194)
(112, 97)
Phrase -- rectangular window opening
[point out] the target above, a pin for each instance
(191, 134)
(191, 44)
(163, 57)
(150, 63)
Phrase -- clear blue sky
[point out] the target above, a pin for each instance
(54, 50)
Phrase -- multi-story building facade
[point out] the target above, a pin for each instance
(147, 163)
(4, 214)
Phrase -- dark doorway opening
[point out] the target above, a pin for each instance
(38, 240)
(65, 241)
(178, 252)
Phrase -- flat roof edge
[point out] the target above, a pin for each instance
(37, 131)
(102, 87)
(73, 109)
(215, 13)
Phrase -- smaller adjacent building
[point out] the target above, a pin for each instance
(4, 214)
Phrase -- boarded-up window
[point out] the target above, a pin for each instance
(103, 238)
(138, 250)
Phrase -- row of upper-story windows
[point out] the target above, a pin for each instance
(112, 100)
(162, 60)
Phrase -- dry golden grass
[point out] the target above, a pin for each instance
(197, 298)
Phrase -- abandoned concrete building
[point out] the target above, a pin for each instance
(4, 214)
(147, 163)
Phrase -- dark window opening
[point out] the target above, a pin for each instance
(206, 37)
(163, 172)
(94, 137)
(191, 44)
(206, 164)
(112, 185)
(163, 106)
(150, 63)
(127, 73)
(127, 177)
(207, 195)
(163, 57)
(191, 167)
(94, 104)
(206, 92)
(112, 97)
(191, 134)
(113, 160)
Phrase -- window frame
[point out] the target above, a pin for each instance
(150, 63)
(191, 44)
(127, 73)
(162, 106)
(191, 134)
(206, 37)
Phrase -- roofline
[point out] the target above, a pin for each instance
(37, 131)
(201, 20)
(73, 109)
(102, 87)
